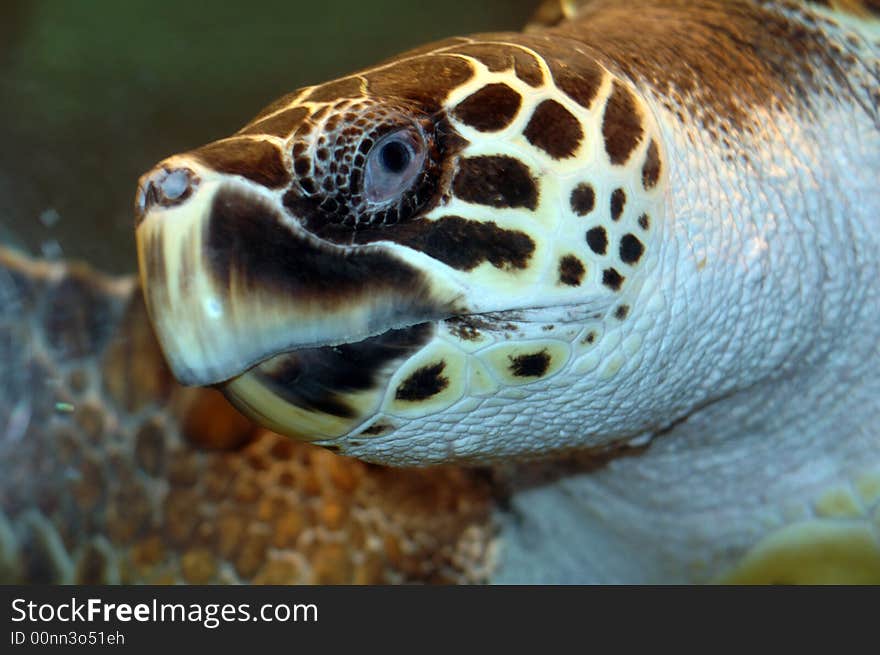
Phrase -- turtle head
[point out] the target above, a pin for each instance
(381, 250)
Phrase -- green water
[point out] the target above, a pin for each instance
(94, 92)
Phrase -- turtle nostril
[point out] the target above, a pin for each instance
(177, 184)
(164, 187)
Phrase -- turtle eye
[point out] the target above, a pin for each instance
(392, 164)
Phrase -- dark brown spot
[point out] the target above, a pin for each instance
(618, 201)
(612, 279)
(554, 130)
(375, 429)
(497, 181)
(466, 328)
(651, 167)
(460, 243)
(318, 379)
(259, 161)
(490, 109)
(571, 271)
(621, 312)
(580, 84)
(426, 80)
(347, 87)
(281, 124)
(597, 239)
(500, 57)
(644, 221)
(530, 366)
(621, 124)
(302, 166)
(717, 58)
(422, 384)
(583, 199)
(631, 249)
(249, 248)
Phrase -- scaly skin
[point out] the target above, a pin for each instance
(650, 228)
(110, 472)
(764, 354)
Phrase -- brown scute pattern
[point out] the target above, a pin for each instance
(426, 80)
(277, 105)
(612, 279)
(422, 384)
(532, 365)
(497, 181)
(597, 239)
(554, 130)
(718, 60)
(501, 57)
(644, 221)
(621, 124)
(490, 109)
(571, 271)
(461, 243)
(131, 498)
(257, 160)
(631, 249)
(329, 196)
(248, 248)
(652, 167)
(618, 202)
(583, 199)
(581, 84)
(345, 88)
(282, 124)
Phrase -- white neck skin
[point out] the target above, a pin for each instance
(765, 355)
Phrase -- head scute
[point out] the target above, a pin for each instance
(502, 173)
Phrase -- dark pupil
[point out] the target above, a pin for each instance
(395, 157)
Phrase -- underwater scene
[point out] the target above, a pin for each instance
(509, 292)
(110, 472)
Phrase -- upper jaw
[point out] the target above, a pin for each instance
(231, 279)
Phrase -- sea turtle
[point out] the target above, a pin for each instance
(634, 241)
(111, 472)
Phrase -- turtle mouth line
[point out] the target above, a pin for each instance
(316, 378)
(231, 280)
(327, 391)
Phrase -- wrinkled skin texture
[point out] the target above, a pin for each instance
(687, 259)
(683, 278)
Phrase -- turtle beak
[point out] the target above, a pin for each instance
(231, 279)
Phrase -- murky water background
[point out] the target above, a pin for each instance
(102, 474)
(93, 92)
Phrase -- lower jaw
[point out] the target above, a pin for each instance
(324, 393)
